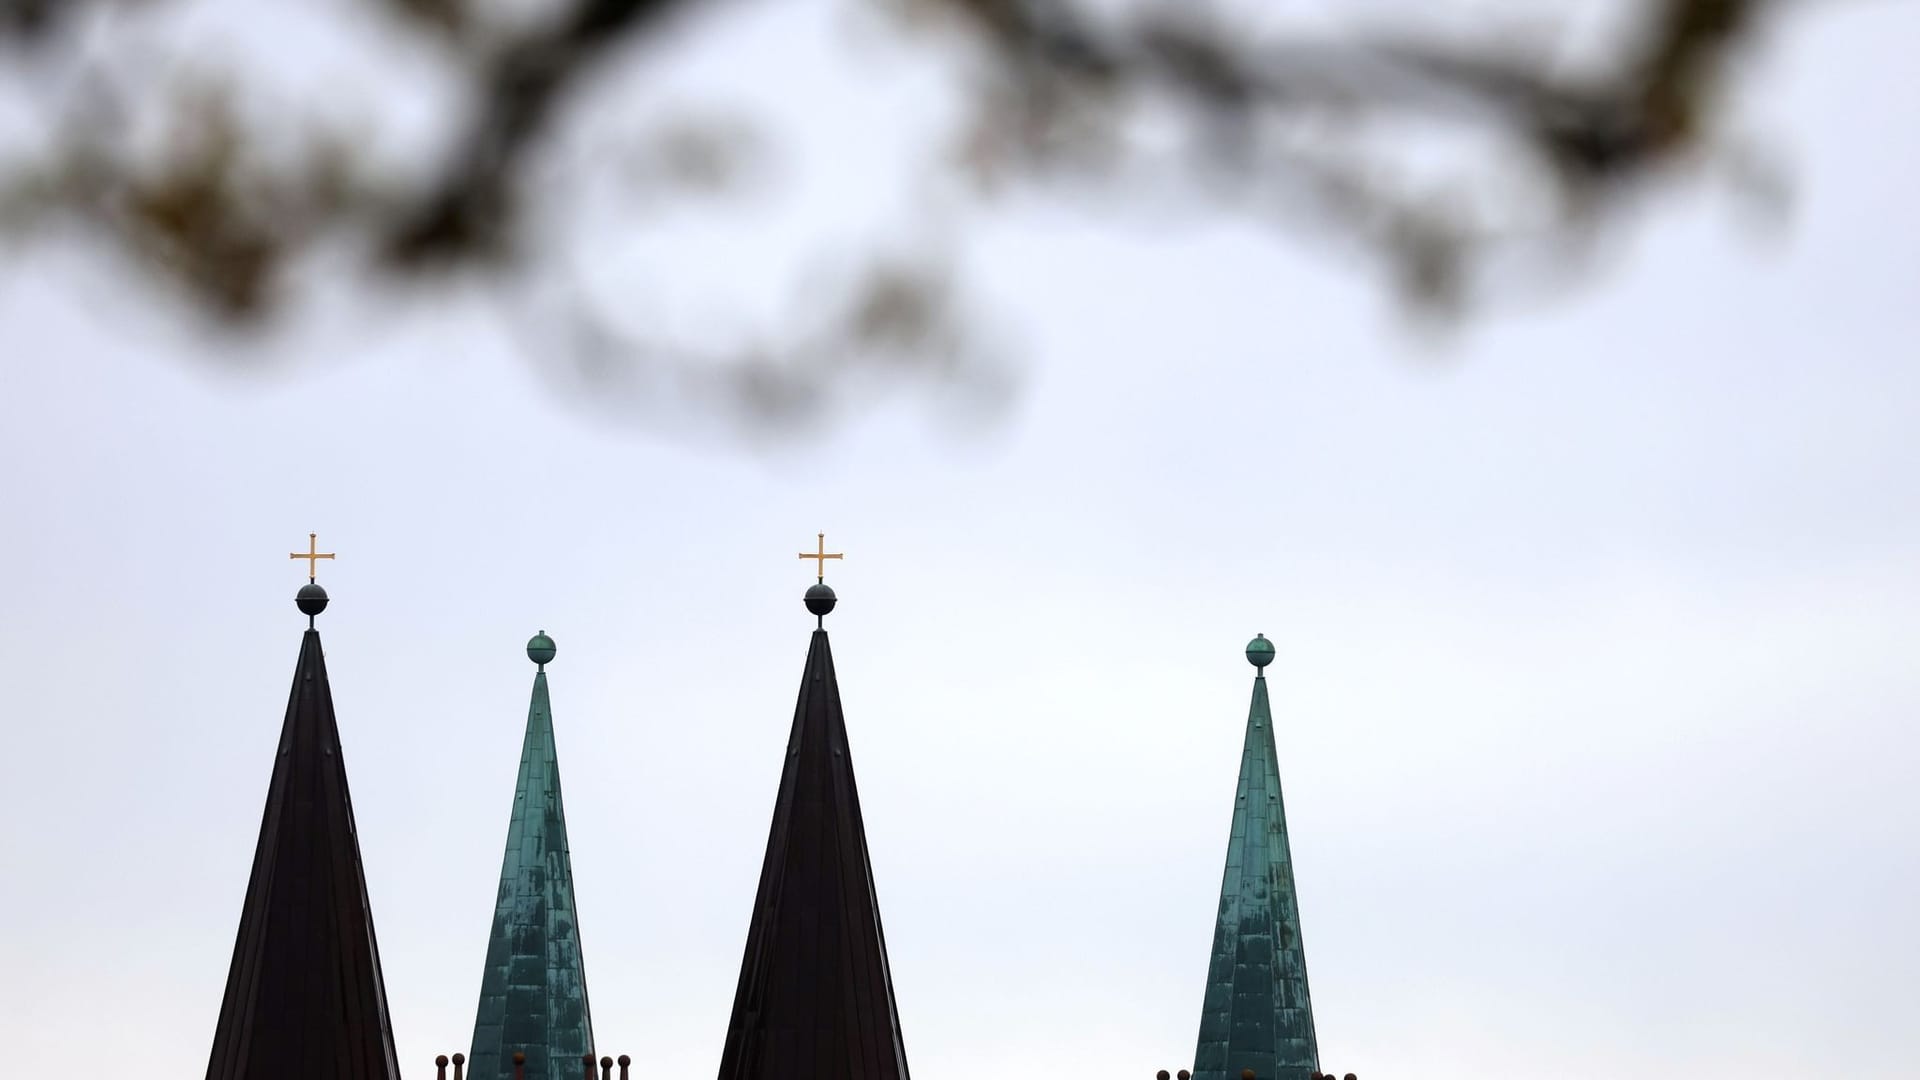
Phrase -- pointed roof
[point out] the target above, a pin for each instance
(1257, 1013)
(305, 999)
(533, 994)
(815, 1000)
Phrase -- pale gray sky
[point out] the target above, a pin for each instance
(1596, 683)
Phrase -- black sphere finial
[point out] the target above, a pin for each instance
(312, 600)
(820, 600)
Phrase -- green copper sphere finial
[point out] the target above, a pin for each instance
(1260, 652)
(540, 650)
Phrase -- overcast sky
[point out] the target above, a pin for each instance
(1597, 627)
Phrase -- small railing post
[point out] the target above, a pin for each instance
(623, 1062)
(586, 1063)
(440, 1063)
(459, 1066)
(519, 1065)
(606, 1068)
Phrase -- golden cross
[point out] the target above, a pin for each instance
(820, 557)
(313, 554)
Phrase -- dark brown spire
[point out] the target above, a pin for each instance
(305, 1000)
(815, 1000)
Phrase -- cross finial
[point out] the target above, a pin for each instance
(819, 556)
(313, 554)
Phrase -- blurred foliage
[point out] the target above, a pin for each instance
(1309, 128)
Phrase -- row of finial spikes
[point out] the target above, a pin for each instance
(459, 1063)
(1245, 1074)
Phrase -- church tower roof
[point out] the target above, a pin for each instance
(1257, 1013)
(815, 999)
(533, 993)
(304, 998)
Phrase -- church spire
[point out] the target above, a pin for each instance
(815, 999)
(533, 994)
(1257, 1013)
(304, 998)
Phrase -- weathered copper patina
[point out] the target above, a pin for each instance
(533, 993)
(1257, 1016)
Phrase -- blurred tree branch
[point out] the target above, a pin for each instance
(518, 88)
(1055, 86)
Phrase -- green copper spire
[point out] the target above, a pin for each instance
(533, 994)
(1257, 1013)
